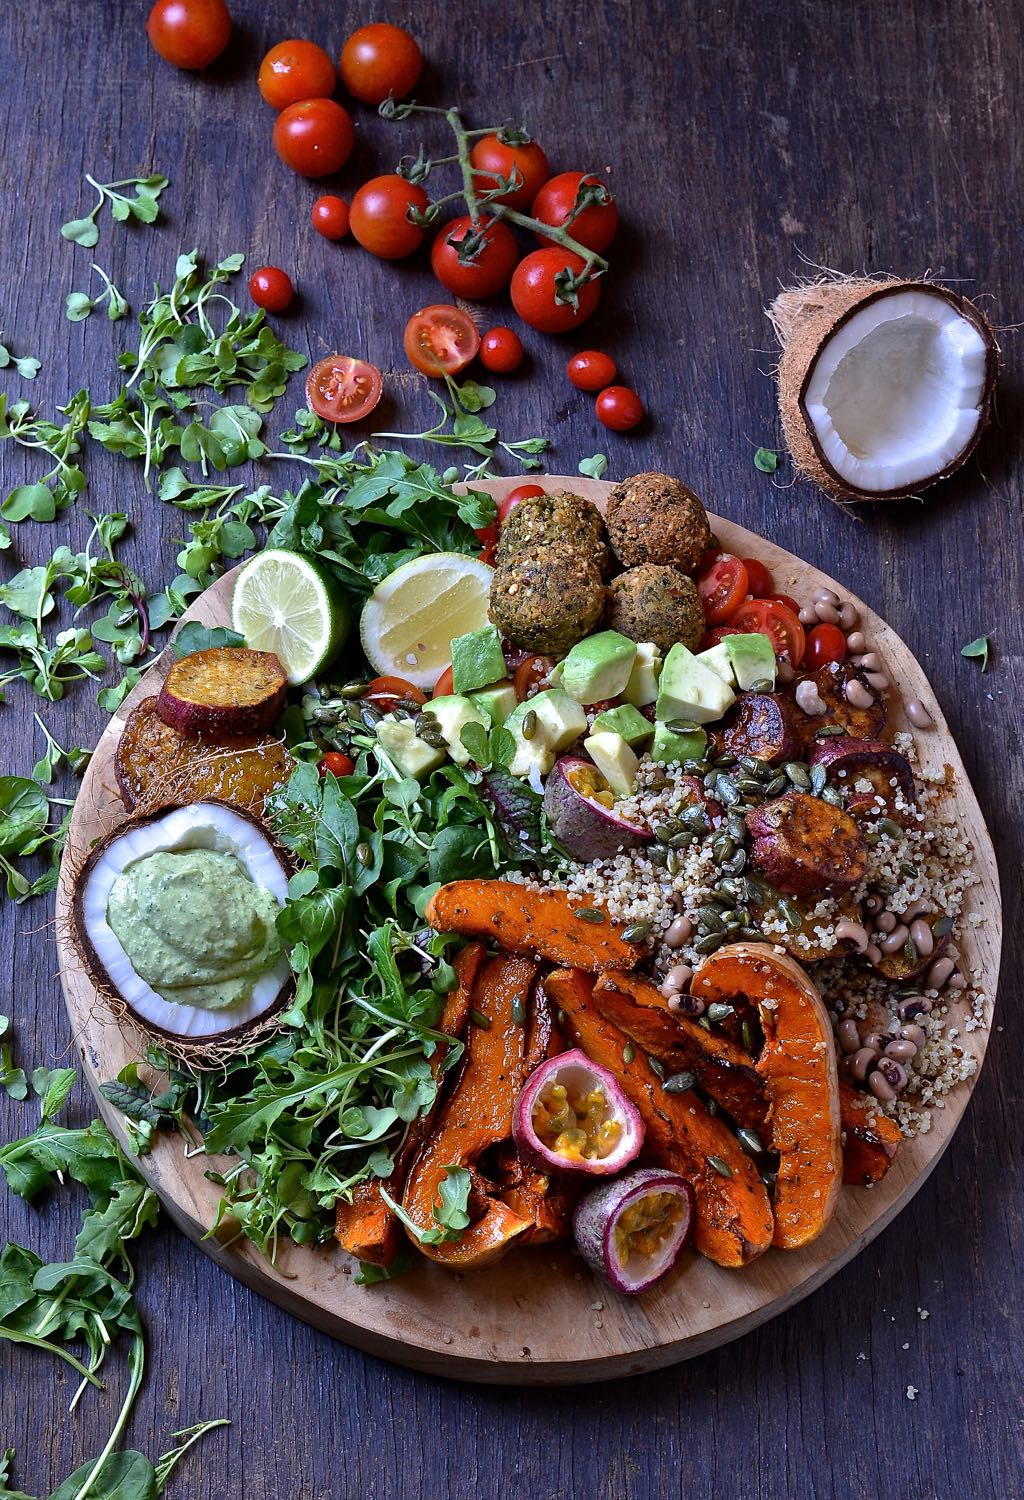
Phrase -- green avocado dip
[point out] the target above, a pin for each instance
(194, 926)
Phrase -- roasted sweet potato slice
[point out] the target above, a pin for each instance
(806, 846)
(860, 723)
(722, 1069)
(798, 1065)
(542, 924)
(225, 690)
(848, 761)
(733, 1216)
(762, 725)
(870, 1138)
(156, 765)
(803, 942)
(477, 1116)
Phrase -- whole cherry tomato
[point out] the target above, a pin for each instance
(314, 137)
(335, 763)
(594, 226)
(386, 693)
(722, 585)
(759, 580)
(503, 155)
(441, 340)
(776, 621)
(591, 370)
(445, 684)
(535, 283)
(825, 644)
(501, 351)
(295, 70)
(512, 499)
(494, 252)
(531, 674)
(330, 217)
(189, 33)
(379, 60)
(619, 408)
(787, 600)
(379, 216)
(342, 389)
(271, 288)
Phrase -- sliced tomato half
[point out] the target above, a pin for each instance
(722, 586)
(342, 389)
(441, 340)
(776, 621)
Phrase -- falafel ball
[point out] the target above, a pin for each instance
(655, 602)
(544, 520)
(653, 518)
(547, 599)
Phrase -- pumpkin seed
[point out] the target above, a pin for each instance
(636, 932)
(761, 685)
(703, 1021)
(518, 1012)
(871, 839)
(664, 831)
(353, 689)
(680, 1083)
(743, 914)
(369, 716)
(711, 1105)
(711, 780)
(695, 767)
(749, 1140)
(751, 933)
(588, 914)
(754, 890)
(776, 785)
(725, 762)
(710, 919)
(658, 855)
(479, 1019)
(828, 730)
(798, 774)
(752, 766)
(732, 921)
(722, 848)
(891, 827)
(409, 704)
(657, 1066)
(908, 869)
(672, 862)
(819, 776)
(721, 1167)
(833, 796)
(528, 728)
(628, 1052)
(681, 840)
(681, 726)
(709, 944)
(747, 1035)
(736, 863)
(910, 951)
(719, 1010)
(695, 820)
(790, 914)
(725, 790)
(364, 854)
(942, 927)
(750, 786)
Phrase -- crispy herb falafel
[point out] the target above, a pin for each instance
(547, 520)
(546, 599)
(653, 518)
(655, 602)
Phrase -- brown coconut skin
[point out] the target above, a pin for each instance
(805, 318)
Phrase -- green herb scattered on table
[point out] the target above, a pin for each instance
(979, 649)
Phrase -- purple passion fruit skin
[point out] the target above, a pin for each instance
(572, 1116)
(581, 814)
(632, 1231)
(877, 762)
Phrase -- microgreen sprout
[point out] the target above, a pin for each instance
(142, 206)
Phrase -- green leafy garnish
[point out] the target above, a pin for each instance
(979, 648)
(198, 637)
(80, 305)
(595, 467)
(767, 460)
(142, 206)
(57, 488)
(27, 365)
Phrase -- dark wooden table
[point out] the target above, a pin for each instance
(750, 142)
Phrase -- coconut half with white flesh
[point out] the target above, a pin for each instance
(884, 387)
(247, 854)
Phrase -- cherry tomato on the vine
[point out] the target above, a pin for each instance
(441, 340)
(492, 157)
(314, 137)
(537, 279)
(386, 693)
(189, 33)
(342, 389)
(722, 585)
(531, 674)
(594, 226)
(759, 580)
(590, 370)
(825, 644)
(512, 499)
(335, 763)
(776, 621)
(619, 408)
(501, 351)
(271, 288)
(295, 70)
(378, 60)
(494, 251)
(378, 216)
(330, 217)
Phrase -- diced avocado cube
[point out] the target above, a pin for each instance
(532, 758)
(669, 746)
(477, 659)
(555, 675)
(598, 667)
(753, 659)
(642, 687)
(720, 662)
(560, 722)
(412, 756)
(625, 720)
(615, 760)
(690, 690)
(496, 702)
(453, 713)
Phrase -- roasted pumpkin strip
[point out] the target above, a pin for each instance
(542, 924)
(733, 1216)
(546, 1201)
(870, 1138)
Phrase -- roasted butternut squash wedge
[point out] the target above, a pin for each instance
(540, 924)
(870, 1138)
(546, 1201)
(476, 1116)
(733, 1216)
(798, 1065)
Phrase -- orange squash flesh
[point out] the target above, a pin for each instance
(476, 1116)
(798, 1065)
(733, 1216)
(540, 924)
(870, 1138)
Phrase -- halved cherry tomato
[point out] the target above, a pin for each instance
(722, 585)
(445, 684)
(342, 389)
(590, 370)
(759, 580)
(336, 763)
(776, 621)
(386, 693)
(487, 536)
(716, 635)
(512, 499)
(441, 340)
(825, 644)
(492, 157)
(501, 351)
(531, 675)
(787, 600)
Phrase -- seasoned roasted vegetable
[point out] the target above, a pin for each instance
(156, 765)
(225, 690)
(805, 845)
(762, 725)
(865, 760)
(870, 1138)
(860, 723)
(546, 924)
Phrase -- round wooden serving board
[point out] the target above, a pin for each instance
(538, 1317)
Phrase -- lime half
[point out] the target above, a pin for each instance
(285, 604)
(410, 620)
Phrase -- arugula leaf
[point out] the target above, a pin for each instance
(371, 1275)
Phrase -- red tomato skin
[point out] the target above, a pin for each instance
(378, 60)
(533, 291)
(271, 288)
(595, 227)
(335, 763)
(501, 351)
(314, 137)
(385, 693)
(329, 381)
(377, 216)
(512, 499)
(825, 644)
(330, 217)
(759, 580)
(295, 70)
(456, 352)
(531, 674)
(619, 409)
(590, 370)
(722, 585)
(716, 635)
(488, 273)
(491, 158)
(445, 684)
(787, 600)
(191, 34)
(776, 621)
(488, 537)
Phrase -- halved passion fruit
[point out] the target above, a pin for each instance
(580, 808)
(573, 1116)
(633, 1230)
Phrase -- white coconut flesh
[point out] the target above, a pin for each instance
(201, 825)
(895, 395)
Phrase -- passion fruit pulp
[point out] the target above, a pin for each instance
(573, 1117)
(632, 1231)
(580, 808)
